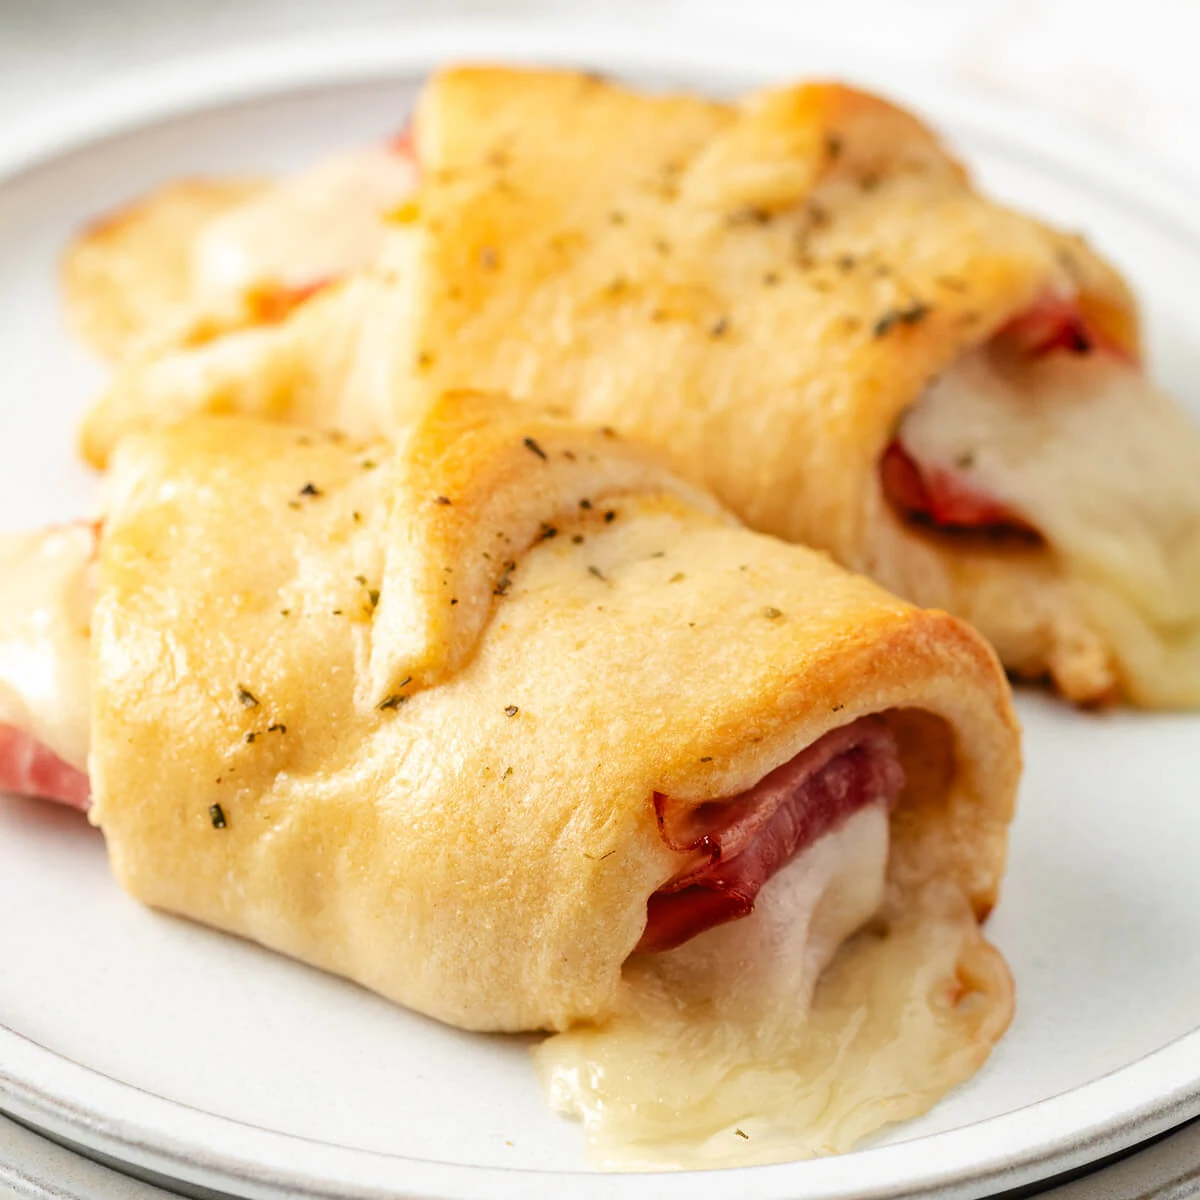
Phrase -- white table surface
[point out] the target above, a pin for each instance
(1128, 71)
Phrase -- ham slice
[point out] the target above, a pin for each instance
(946, 499)
(1056, 323)
(936, 496)
(28, 768)
(734, 846)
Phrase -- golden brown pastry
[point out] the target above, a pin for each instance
(512, 726)
(803, 300)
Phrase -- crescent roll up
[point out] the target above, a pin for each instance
(512, 726)
(802, 298)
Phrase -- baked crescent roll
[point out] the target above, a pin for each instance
(202, 257)
(512, 726)
(804, 301)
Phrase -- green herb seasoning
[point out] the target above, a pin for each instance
(916, 312)
(505, 580)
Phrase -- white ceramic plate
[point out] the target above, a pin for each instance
(209, 1060)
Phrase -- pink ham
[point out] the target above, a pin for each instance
(734, 846)
(942, 497)
(1056, 322)
(28, 768)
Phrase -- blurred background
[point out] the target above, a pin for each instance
(1128, 70)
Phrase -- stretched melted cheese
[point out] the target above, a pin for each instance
(45, 617)
(1107, 468)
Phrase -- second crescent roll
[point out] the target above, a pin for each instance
(512, 726)
(803, 300)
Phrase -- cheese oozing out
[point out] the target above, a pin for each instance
(45, 620)
(772, 1037)
(1084, 449)
(313, 227)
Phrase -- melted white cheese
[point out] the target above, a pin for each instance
(1107, 468)
(317, 225)
(721, 1052)
(45, 617)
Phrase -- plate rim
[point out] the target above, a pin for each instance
(67, 1099)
